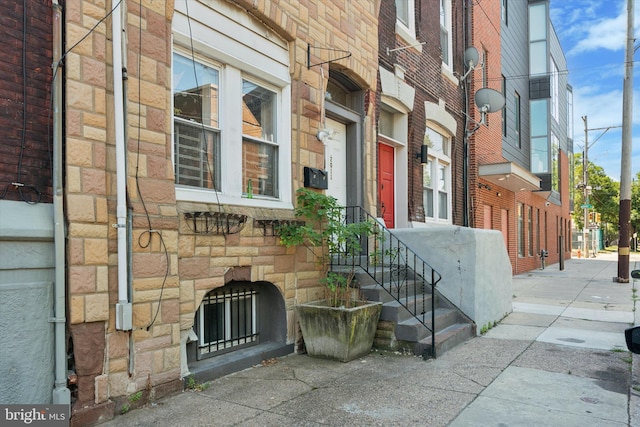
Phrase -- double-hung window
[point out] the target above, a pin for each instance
(198, 132)
(436, 178)
(231, 108)
(445, 33)
(405, 15)
(196, 123)
(259, 144)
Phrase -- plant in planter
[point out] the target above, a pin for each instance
(342, 326)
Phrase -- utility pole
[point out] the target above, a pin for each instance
(625, 169)
(585, 191)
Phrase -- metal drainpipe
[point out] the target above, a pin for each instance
(123, 307)
(61, 394)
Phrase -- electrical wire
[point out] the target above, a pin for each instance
(195, 76)
(91, 30)
(150, 231)
(18, 184)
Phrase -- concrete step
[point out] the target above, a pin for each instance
(445, 339)
(413, 330)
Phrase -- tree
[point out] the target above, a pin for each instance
(604, 196)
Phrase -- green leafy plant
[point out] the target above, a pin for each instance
(193, 384)
(326, 233)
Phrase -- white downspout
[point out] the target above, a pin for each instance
(123, 307)
(61, 394)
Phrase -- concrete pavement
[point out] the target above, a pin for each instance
(558, 360)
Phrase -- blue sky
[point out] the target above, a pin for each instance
(593, 36)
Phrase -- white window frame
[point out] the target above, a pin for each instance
(438, 158)
(555, 91)
(446, 26)
(261, 60)
(408, 30)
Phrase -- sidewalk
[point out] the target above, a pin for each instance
(558, 360)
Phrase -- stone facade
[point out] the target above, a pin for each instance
(172, 267)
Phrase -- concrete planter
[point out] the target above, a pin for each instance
(338, 333)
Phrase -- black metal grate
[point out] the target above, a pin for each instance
(227, 320)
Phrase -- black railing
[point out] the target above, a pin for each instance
(401, 272)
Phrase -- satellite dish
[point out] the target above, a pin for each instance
(489, 100)
(471, 57)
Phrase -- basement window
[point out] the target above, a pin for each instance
(226, 320)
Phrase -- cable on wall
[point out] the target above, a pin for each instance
(18, 184)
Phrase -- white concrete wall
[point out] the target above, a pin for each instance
(474, 264)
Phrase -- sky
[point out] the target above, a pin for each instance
(593, 37)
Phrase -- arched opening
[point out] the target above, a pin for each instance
(237, 326)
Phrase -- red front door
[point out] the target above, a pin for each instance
(386, 184)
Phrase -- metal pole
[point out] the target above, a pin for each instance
(61, 393)
(585, 191)
(625, 169)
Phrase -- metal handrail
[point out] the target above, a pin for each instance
(392, 265)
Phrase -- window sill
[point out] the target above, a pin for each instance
(205, 196)
(449, 74)
(408, 37)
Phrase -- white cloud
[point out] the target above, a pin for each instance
(607, 34)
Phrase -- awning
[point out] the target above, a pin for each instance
(510, 176)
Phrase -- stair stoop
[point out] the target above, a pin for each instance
(398, 329)
(446, 339)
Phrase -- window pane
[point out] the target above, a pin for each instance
(196, 114)
(442, 205)
(537, 22)
(555, 163)
(442, 178)
(428, 189)
(241, 321)
(442, 193)
(259, 158)
(444, 31)
(428, 203)
(538, 58)
(197, 155)
(530, 225)
(444, 44)
(259, 167)
(539, 117)
(539, 155)
(437, 142)
(213, 325)
(402, 11)
(426, 174)
(258, 112)
(386, 123)
(195, 91)
(520, 229)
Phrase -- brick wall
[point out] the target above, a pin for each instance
(25, 122)
(423, 72)
(485, 147)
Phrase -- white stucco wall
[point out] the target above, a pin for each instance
(26, 292)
